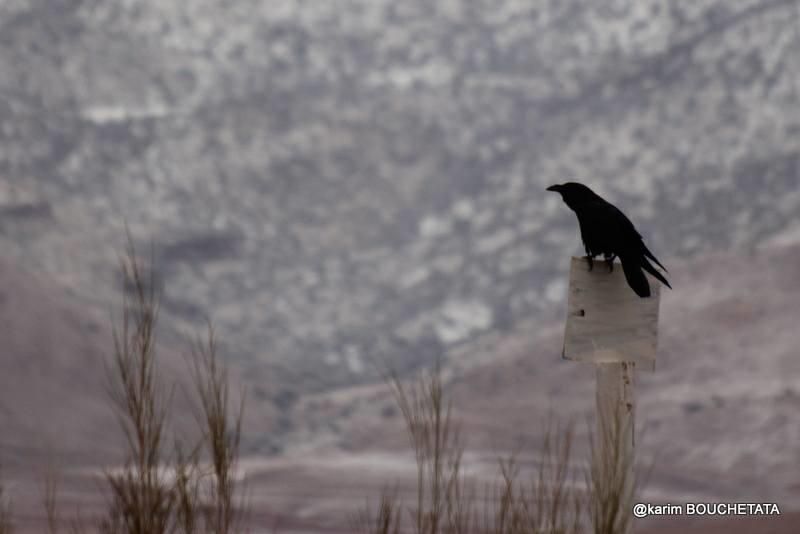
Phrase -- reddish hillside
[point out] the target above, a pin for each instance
(54, 399)
(52, 375)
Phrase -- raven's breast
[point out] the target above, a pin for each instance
(595, 233)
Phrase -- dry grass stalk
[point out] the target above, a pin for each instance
(50, 498)
(222, 429)
(6, 526)
(611, 477)
(187, 492)
(385, 521)
(141, 501)
(549, 503)
(444, 501)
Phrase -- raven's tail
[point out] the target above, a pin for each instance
(652, 270)
(649, 254)
(631, 266)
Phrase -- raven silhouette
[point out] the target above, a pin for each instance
(606, 230)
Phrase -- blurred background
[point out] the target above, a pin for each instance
(345, 187)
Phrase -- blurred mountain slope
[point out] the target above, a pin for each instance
(338, 182)
(715, 421)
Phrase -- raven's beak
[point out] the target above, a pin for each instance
(556, 188)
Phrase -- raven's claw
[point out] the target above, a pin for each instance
(610, 262)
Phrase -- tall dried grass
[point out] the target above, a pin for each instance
(141, 500)
(6, 526)
(50, 498)
(549, 502)
(612, 476)
(445, 499)
(193, 488)
(222, 432)
(157, 492)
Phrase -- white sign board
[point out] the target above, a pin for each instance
(606, 321)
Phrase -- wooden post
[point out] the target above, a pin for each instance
(610, 326)
(614, 398)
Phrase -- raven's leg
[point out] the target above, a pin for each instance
(610, 261)
(590, 258)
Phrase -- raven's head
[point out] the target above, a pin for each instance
(574, 193)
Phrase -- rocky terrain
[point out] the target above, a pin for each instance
(334, 182)
(345, 186)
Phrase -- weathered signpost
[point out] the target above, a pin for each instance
(610, 326)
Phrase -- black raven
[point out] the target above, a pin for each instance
(606, 230)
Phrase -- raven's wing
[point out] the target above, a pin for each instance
(634, 275)
(605, 229)
(610, 231)
(629, 230)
